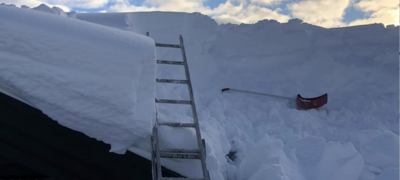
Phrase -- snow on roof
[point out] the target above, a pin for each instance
(247, 137)
(90, 78)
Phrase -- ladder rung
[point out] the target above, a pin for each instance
(170, 62)
(168, 45)
(181, 151)
(172, 81)
(180, 156)
(173, 101)
(178, 124)
(165, 178)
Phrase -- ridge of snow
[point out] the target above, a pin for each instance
(25, 7)
(44, 8)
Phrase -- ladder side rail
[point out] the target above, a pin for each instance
(158, 154)
(156, 166)
(153, 157)
(156, 151)
(194, 112)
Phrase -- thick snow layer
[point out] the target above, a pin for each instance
(353, 137)
(90, 78)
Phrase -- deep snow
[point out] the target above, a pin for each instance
(354, 137)
(356, 66)
(90, 78)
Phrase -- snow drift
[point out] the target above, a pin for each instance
(251, 137)
(90, 78)
(354, 137)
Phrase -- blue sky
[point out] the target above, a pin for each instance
(325, 13)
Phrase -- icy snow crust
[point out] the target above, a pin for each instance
(354, 137)
(93, 79)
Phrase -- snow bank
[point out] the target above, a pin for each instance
(253, 137)
(90, 78)
(72, 14)
(350, 64)
(379, 148)
(267, 37)
(267, 159)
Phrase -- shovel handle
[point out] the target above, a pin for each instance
(225, 89)
(263, 94)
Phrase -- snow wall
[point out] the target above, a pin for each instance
(354, 137)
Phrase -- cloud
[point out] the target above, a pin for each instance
(381, 11)
(375, 5)
(227, 12)
(86, 4)
(161, 5)
(124, 7)
(246, 14)
(228, 8)
(267, 2)
(225, 19)
(178, 5)
(325, 13)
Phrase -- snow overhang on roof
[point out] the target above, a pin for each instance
(90, 78)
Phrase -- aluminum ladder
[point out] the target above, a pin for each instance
(157, 152)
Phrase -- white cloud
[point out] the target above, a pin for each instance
(123, 7)
(161, 5)
(87, 4)
(246, 14)
(225, 13)
(178, 5)
(227, 8)
(267, 2)
(381, 11)
(225, 19)
(375, 5)
(325, 13)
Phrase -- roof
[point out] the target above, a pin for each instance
(35, 141)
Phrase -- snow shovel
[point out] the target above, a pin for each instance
(301, 102)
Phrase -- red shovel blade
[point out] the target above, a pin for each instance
(311, 103)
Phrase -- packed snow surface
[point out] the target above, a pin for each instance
(249, 137)
(353, 137)
(93, 79)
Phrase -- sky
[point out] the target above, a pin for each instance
(325, 13)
